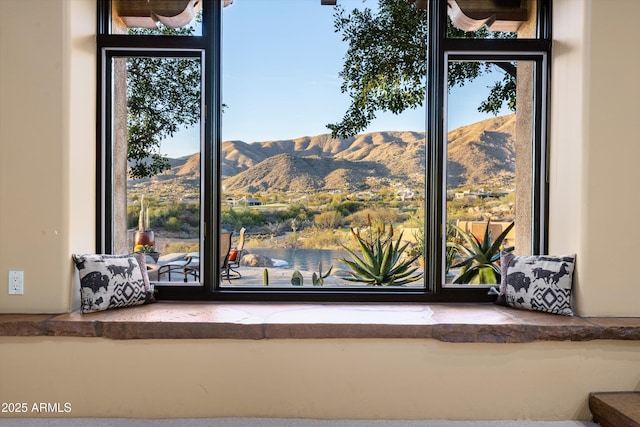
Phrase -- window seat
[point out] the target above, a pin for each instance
(486, 323)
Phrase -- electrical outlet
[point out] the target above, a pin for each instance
(16, 283)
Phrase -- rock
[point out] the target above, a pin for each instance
(254, 260)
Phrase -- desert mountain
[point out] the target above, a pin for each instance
(479, 154)
(321, 162)
(288, 172)
(482, 153)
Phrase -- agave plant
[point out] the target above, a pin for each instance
(451, 251)
(480, 258)
(381, 262)
(318, 278)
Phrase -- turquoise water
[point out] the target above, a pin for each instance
(304, 259)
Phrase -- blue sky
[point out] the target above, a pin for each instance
(281, 64)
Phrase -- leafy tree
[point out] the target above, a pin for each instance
(163, 95)
(386, 64)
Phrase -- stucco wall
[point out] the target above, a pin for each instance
(47, 194)
(370, 379)
(594, 150)
(47, 149)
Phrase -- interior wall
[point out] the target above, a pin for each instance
(47, 197)
(40, 85)
(613, 159)
(81, 124)
(326, 379)
(593, 169)
(47, 149)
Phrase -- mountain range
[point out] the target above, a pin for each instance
(480, 154)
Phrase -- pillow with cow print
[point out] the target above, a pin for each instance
(112, 281)
(537, 282)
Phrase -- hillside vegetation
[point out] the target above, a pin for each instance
(479, 154)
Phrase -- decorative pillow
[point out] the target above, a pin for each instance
(148, 286)
(112, 281)
(538, 282)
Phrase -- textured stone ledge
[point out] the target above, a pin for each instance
(486, 323)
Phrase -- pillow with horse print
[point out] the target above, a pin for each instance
(537, 282)
(110, 281)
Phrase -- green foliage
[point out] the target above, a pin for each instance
(295, 210)
(146, 249)
(379, 216)
(416, 221)
(451, 249)
(163, 95)
(328, 219)
(347, 207)
(385, 64)
(179, 247)
(419, 248)
(172, 224)
(381, 262)
(318, 278)
(173, 216)
(480, 263)
(234, 219)
(501, 92)
(297, 279)
(292, 241)
(186, 214)
(315, 238)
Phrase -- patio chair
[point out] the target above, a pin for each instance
(192, 266)
(170, 263)
(225, 248)
(235, 256)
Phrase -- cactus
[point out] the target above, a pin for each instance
(265, 277)
(143, 217)
(297, 279)
(318, 279)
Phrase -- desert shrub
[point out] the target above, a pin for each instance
(328, 220)
(180, 247)
(172, 224)
(323, 239)
(291, 241)
(274, 228)
(295, 210)
(234, 219)
(347, 207)
(376, 216)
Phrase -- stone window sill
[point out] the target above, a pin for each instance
(486, 323)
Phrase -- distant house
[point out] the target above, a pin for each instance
(405, 194)
(248, 201)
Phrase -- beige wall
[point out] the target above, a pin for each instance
(47, 148)
(403, 379)
(47, 194)
(47, 151)
(594, 150)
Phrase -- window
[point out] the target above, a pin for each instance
(290, 150)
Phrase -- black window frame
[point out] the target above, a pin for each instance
(440, 49)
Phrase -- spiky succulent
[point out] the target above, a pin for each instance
(318, 278)
(479, 265)
(381, 261)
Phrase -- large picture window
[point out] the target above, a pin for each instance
(294, 150)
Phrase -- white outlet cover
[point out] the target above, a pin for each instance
(16, 282)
